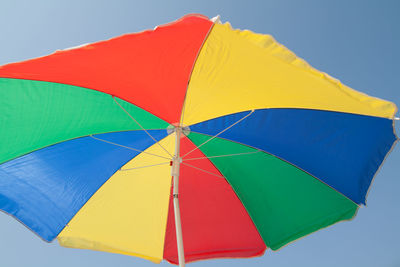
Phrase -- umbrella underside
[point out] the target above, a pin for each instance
(268, 159)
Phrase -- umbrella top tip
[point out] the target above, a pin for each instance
(216, 19)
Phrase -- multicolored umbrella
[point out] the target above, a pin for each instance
(267, 148)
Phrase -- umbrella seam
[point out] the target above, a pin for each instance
(88, 135)
(287, 163)
(299, 108)
(87, 88)
(191, 72)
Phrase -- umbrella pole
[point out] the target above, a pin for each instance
(175, 174)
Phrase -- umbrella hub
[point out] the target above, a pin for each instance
(185, 130)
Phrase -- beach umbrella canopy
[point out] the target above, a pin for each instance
(267, 149)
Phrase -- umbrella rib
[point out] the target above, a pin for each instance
(140, 167)
(200, 169)
(127, 147)
(141, 126)
(212, 137)
(227, 155)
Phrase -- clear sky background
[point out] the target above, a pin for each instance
(357, 42)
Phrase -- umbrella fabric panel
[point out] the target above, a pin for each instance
(214, 222)
(240, 70)
(284, 202)
(37, 114)
(44, 189)
(341, 149)
(150, 69)
(128, 214)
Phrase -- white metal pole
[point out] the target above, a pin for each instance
(175, 174)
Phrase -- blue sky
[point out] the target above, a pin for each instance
(355, 41)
